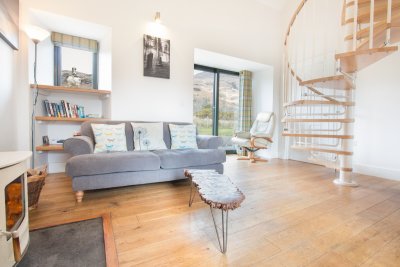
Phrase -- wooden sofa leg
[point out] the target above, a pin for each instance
(79, 196)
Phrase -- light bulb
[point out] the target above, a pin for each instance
(157, 18)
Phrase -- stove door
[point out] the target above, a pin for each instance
(14, 227)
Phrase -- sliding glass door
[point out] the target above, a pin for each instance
(216, 102)
(203, 99)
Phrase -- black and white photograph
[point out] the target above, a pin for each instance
(9, 22)
(156, 57)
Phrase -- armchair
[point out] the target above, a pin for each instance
(259, 137)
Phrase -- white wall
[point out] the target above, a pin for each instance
(14, 98)
(264, 100)
(241, 28)
(377, 119)
(8, 70)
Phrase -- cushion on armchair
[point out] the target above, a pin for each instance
(245, 135)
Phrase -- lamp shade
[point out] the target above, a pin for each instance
(36, 34)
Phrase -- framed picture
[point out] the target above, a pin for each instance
(9, 22)
(156, 57)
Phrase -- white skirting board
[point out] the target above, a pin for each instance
(56, 167)
(56, 161)
(391, 174)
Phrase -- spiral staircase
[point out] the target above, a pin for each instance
(327, 43)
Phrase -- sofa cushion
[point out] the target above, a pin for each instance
(182, 158)
(102, 163)
(86, 130)
(109, 138)
(148, 136)
(183, 136)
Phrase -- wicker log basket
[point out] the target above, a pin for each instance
(36, 181)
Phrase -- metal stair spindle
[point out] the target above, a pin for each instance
(388, 21)
(371, 24)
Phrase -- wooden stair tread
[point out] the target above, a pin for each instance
(380, 13)
(319, 93)
(332, 82)
(357, 60)
(380, 38)
(367, 2)
(317, 135)
(378, 27)
(318, 120)
(321, 149)
(318, 102)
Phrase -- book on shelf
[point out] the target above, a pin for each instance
(47, 108)
(63, 110)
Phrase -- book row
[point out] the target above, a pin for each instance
(63, 110)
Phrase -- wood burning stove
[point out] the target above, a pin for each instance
(14, 226)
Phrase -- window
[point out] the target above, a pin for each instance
(75, 61)
(216, 102)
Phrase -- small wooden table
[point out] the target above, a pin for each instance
(219, 192)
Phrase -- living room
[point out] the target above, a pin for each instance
(319, 185)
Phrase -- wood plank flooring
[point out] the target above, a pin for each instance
(293, 215)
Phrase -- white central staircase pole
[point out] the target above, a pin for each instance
(346, 161)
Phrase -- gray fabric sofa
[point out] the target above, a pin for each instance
(106, 170)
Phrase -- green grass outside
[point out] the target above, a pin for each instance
(221, 131)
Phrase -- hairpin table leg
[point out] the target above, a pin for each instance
(224, 217)
(192, 193)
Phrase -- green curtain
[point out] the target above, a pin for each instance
(245, 103)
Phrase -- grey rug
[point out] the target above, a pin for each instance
(74, 244)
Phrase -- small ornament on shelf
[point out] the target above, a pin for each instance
(73, 80)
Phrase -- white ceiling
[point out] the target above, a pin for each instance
(67, 25)
(277, 4)
(217, 60)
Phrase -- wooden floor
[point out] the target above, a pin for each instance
(293, 215)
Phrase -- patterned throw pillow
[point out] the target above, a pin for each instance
(183, 136)
(148, 136)
(109, 138)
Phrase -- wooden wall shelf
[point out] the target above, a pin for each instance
(61, 119)
(50, 148)
(62, 89)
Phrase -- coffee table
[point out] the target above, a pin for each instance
(218, 192)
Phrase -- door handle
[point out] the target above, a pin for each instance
(16, 244)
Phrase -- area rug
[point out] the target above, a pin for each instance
(84, 242)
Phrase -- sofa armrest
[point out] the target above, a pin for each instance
(79, 145)
(209, 141)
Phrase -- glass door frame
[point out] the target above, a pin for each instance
(215, 104)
